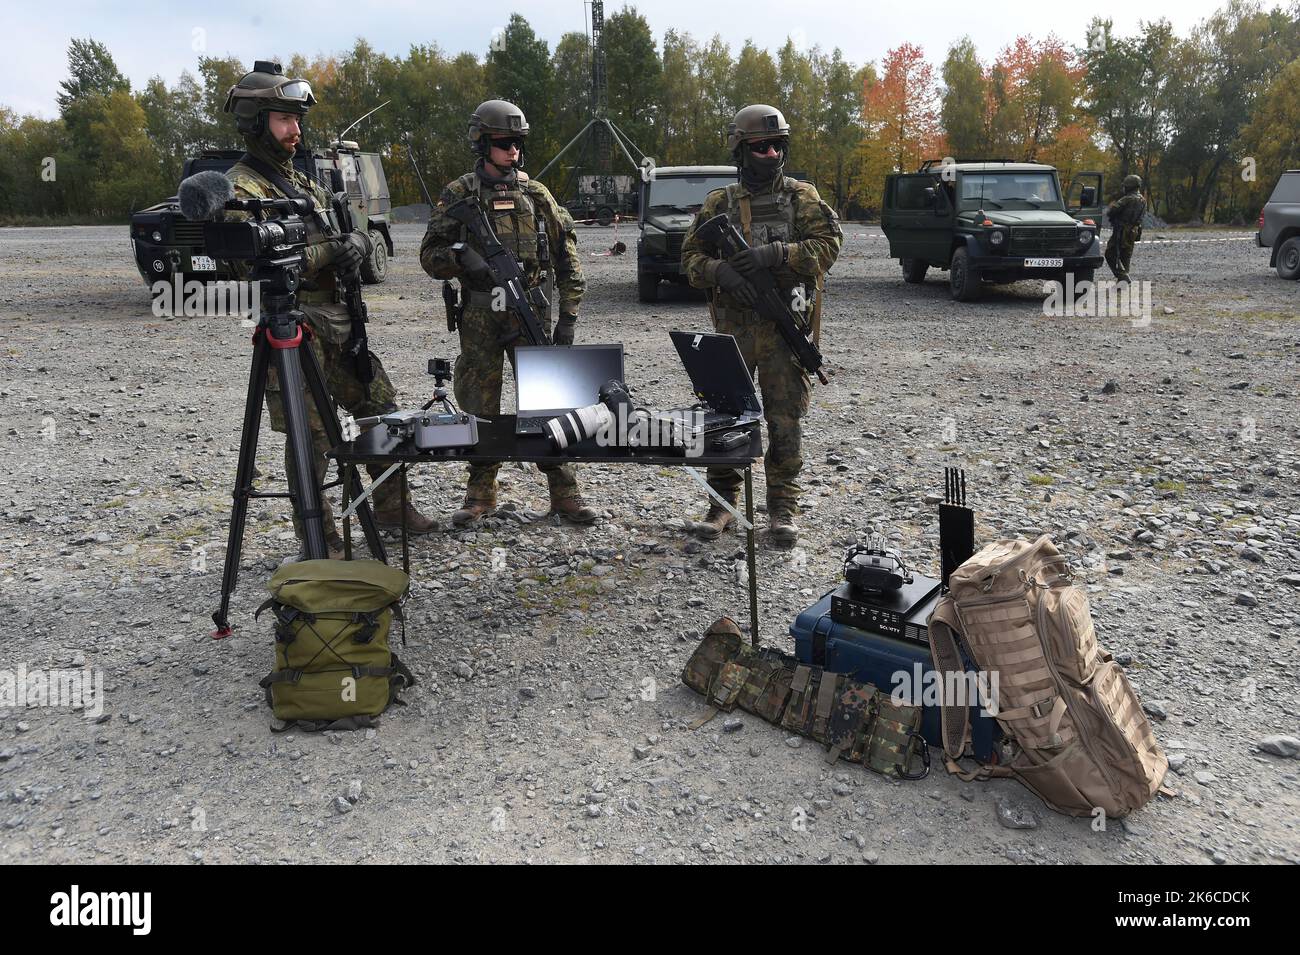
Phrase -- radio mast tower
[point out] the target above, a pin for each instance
(598, 138)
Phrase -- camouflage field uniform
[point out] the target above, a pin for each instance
(319, 299)
(1125, 217)
(540, 235)
(788, 211)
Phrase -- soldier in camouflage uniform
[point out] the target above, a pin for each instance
(540, 235)
(797, 236)
(1125, 217)
(267, 106)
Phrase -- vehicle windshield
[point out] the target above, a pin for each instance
(683, 193)
(1009, 190)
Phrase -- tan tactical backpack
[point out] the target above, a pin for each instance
(1083, 741)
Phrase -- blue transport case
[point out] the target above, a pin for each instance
(882, 660)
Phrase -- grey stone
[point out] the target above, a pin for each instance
(1287, 746)
(1013, 816)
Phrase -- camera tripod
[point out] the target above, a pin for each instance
(279, 335)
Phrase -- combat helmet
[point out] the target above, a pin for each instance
(266, 90)
(495, 117)
(1132, 183)
(756, 122)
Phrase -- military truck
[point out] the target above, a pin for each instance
(987, 222)
(600, 199)
(670, 197)
(1279, 225)
(166, 243)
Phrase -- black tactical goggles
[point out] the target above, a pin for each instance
(761, 145)
(506, 142)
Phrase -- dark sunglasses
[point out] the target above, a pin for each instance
(516, 141)
(762, 145)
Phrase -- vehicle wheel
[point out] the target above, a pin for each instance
(375, 269)
(647, 286)
(604, 215)
(1288, 259)
(962, 279)
(913, 270)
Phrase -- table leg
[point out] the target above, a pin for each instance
(749, 556)
(347, 472)
(406, 548)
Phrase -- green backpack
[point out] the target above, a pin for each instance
(333, 665)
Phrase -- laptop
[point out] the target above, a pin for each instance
(719, 378)
(552, 380)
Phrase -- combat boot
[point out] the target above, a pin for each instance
(388, 514)
(572, 508)
(782, 528)
(715, 522)
(471, 509)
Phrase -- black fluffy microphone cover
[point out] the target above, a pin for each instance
(205, 194)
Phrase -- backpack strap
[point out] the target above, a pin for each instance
(946, 657)
(280, 676)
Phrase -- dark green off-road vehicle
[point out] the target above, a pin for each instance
(990, 222)
(671, 195)
(166, 243)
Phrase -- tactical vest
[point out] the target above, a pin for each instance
(771, 219)
(517, 221)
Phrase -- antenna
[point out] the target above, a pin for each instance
(340, 136)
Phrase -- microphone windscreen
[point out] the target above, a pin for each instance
(205, 194)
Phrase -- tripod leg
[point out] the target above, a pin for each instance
(243, 482)
(334, 435)
(307, 493)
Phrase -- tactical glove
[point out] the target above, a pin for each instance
(736, 285)
(353, 249)
(564, 328)
(750, 261)
(472, 265)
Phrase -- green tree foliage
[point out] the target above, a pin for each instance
(519, 69)
(1183, 111)
(964, 108)
(634, 73)
(92, 73)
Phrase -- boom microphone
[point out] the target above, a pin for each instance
(205, 194)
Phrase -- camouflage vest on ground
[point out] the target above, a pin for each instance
(516, 217)
(855, 721)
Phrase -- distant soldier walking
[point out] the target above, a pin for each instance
(1125, 217)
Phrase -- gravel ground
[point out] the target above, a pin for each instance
(550, 723)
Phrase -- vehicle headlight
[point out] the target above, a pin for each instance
(998, 238)
(1085, 236)
(157, 236)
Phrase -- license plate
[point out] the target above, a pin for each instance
(1044, 263)
(202, 263)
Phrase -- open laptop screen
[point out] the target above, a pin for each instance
(561, 379)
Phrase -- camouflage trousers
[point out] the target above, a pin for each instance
(1119, 250)
(477, 384)
(786, 393)
(348, 392)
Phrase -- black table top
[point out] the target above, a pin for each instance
(497, 441)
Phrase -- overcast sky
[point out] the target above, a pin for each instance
(148, 39)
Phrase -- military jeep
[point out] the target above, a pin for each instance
(166, 243)
(988, 223)
(671, 195)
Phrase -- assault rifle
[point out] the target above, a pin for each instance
(772, 303)
(506, 274)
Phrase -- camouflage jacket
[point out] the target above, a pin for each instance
(251, 184)
(813, 246)
(1127, 210)
(521, 213)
